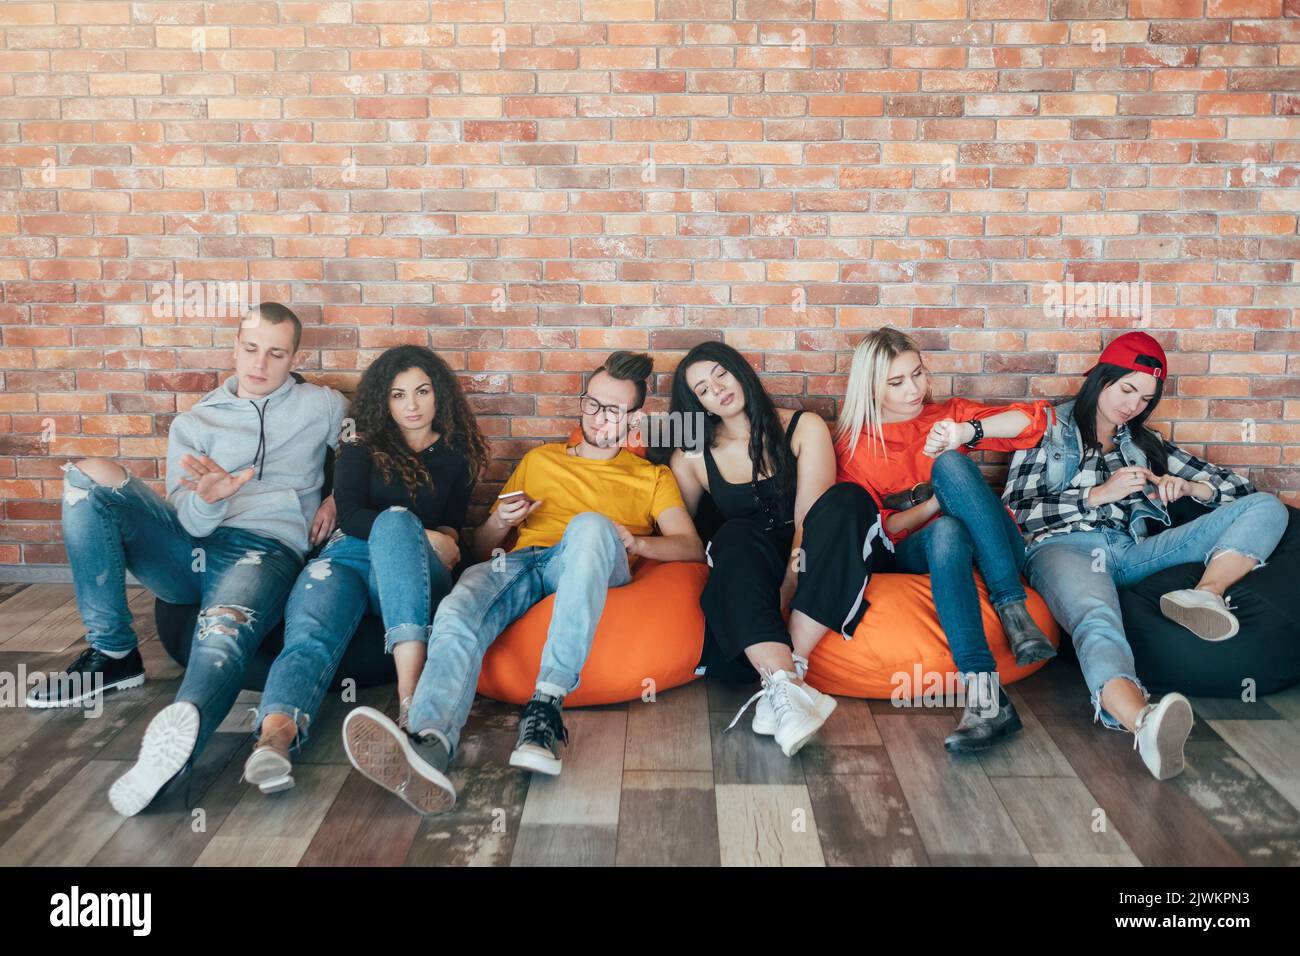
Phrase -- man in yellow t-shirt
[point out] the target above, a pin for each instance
(583, 512)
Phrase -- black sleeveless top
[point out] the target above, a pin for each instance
(760, 500)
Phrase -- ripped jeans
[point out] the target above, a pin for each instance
(239, 579)
(395, 574)
(1079, 574)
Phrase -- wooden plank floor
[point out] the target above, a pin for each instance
(658, 783)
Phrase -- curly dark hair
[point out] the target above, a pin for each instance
(452, 417)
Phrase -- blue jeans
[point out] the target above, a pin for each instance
(395, 574)
(974, 530)
(239, 579)
(1079, 576)
(588, 560)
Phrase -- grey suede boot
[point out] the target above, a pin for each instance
(988, 716)
(1027, 640)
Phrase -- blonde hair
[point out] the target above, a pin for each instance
(867, 378)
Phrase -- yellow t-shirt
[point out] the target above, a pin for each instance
(627, 489)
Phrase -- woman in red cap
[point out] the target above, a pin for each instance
(1088, 498)
(939, 515)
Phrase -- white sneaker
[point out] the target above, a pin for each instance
(1204, 613)
(168, 743)
(1162, 731)
(764, 721)
(269, 768)
(800, 710)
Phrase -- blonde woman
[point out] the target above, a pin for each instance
(939, 514)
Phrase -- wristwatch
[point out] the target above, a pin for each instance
(979, 433)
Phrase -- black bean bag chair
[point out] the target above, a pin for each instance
(364, 661)
(1266, 651)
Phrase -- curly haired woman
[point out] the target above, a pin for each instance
(402, 489)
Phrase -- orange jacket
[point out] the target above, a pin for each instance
(905, 463)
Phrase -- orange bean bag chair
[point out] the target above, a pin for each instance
(899, 649)
(652, 630)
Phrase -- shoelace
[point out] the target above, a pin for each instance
(740, 713)
(765, 678)
(781, 698)
(779, 692)
(84, 660)
(543, 725)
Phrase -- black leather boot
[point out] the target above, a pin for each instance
(1027, 640)
(988, 716)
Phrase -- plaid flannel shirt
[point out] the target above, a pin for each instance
(1041, 513)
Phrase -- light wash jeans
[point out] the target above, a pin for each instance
(108, 531)
(395, 573)
(588, 560)
(1079, 576)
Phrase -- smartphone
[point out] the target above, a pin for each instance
(511, 496)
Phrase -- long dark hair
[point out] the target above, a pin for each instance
(1085, 415)
(766, 435)
(452, 419)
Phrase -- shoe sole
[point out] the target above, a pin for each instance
(383, 755)
(1012, 726)
(167, 746)
(1175, 724)
(124, 684)
(825, 707)
(269, 772)
(536, 760)
(1035, 652)
(1207, 623)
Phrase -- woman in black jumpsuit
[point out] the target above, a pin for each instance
(763, 553)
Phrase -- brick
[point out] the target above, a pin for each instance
(526, 185)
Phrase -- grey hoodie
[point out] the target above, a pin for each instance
(282, 436)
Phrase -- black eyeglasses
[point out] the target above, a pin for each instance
(592, 407)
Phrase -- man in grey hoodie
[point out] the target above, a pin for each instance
(245, 467)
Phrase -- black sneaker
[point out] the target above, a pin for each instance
(541, 731)
(92, 673)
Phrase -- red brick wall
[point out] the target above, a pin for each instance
(526, 185)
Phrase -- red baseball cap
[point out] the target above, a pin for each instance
(1129, 347)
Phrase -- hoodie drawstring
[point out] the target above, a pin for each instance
(261, 437)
